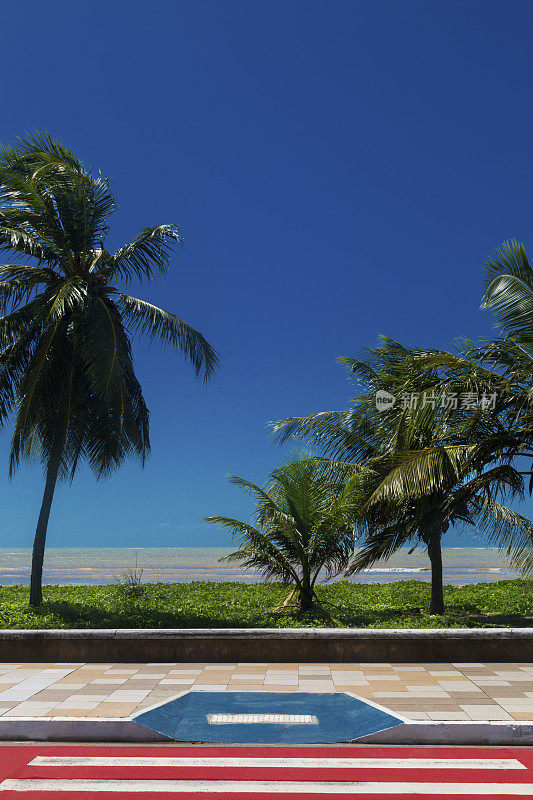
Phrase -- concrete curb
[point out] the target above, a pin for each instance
(268, 644)
(74, 730)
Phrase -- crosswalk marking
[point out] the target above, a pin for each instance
(201, 772)
(301, 763)
(348, 788)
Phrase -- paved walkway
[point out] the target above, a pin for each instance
(417, 691)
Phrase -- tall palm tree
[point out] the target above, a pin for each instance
(413, 496)
(66, 364)
(302, 528)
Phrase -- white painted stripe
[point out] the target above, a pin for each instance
(306, 763)
(262, 719)
(272, 787)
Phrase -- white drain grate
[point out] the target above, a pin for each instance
(248, 719)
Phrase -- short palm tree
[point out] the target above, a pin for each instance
(66, 364)
(302, 528)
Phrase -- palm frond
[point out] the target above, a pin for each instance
(152, 321)
(147, 256)
(509, 531)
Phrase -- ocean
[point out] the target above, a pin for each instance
(67, 565)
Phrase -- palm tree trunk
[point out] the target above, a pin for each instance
(436, 605)
(306, 598)
(36, 586)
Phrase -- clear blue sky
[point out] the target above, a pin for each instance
(339, 169)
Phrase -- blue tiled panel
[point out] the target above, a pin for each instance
(341, 718)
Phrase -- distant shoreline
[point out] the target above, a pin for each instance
(78, 566)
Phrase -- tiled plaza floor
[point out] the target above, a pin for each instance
(417, 691)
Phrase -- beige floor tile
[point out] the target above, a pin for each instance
(380, 668)
(328, 686)
(246, 687)
(514, 704)
(355, 672)
(522, 715)
(107, 709)
(504, 691)
(448, 715)
(67, 712)
(30, 709)
(221, 667)
(452, 674)
(408, 668)
(386, 686)
(487, 712)
(276, 687)
(209, 687)
(476, 700)
(416, 715)
(177, 682)
(303, 669)
(245, 675)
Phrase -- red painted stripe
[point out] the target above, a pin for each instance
(278, 774)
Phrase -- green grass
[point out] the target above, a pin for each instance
(226, 605)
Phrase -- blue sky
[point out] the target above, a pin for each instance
(338, 169)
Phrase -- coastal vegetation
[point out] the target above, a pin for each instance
(418, 467)
(206, 604)
(438, 439)
(434, 440)
(66, 364)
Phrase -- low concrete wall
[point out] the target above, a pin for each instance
(268, 644)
